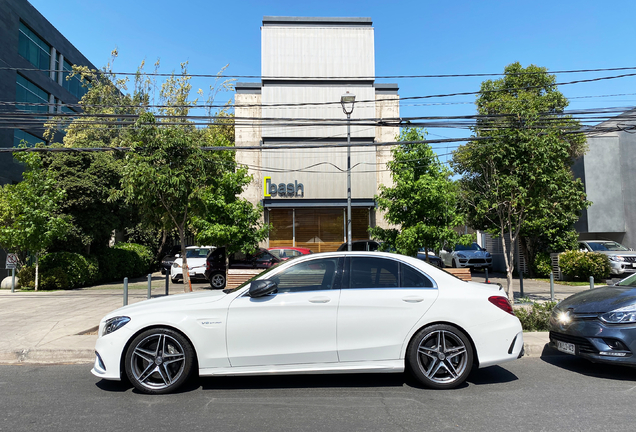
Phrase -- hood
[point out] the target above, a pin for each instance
(474, 253)
(599, 300)
(172, 302)
(619, 253)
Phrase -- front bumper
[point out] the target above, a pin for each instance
(622, 267)
(109, 351)
(596, 341)
(474, 262)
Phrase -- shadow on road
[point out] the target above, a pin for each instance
(587, 368)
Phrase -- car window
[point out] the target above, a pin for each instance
(360, 246)
(278, 253)
(197, 253)
(238, 257)
(471, 247)
(412, 278)
(373, 246)
(263, 256)
(311, 275)
(607, 246)
(373, 273)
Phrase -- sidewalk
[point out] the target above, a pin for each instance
(60, 326)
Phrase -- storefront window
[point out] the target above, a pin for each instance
(318, 229)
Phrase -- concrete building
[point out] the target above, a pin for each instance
(30, 42)
(607, 170)
(307, 65)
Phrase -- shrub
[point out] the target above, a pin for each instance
(144, 254)
(80, 270)
(55, 278)
(26, 276)
(536, 317)
(124, 260)
(543, 264)
(581, 265)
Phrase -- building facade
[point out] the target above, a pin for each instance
(307, 65)
(35, 61)
(607, 170)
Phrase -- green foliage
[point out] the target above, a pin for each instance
(535, 318)
(543, 264)
(144, 255)
(581, 265)
(26, 276)
(79, 270)
(516, 174)
(422, 200)
(55, 278)
(124, 260)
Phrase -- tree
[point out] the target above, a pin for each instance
(523, 158)
(423, 199)
(29, 212)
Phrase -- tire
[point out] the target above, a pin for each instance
(440, 356)
(217, 280)
(453, 263)
(159, 361)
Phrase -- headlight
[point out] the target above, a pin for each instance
(616, 258)
(623, 315)
(487, 254)
(176, 265)
(114, 324)
(461, 255)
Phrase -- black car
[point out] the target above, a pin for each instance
(168, 259)
(215, 270)
(361, 245)
(598, 324)
(432, 258)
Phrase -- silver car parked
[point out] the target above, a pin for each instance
(622, 259)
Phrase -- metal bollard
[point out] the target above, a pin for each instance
(13, 280)
(167, 282)
(551, 286)
(520, 283)
(149, 285)
(591, 282)
(125, 291)
(487, 281)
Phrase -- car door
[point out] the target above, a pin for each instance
(293, 326)
(381, 300)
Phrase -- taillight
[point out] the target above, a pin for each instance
(502, 303)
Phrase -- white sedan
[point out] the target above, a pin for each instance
(196, 257)
(321, 313)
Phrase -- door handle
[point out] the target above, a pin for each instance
(412, 299)
(319, 300)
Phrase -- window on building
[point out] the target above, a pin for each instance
(19, 135)
(34, 49)
(74, 84)
(35, 99)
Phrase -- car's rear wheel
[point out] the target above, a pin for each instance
(440, 356)
(217, 280)
(159, 361)
(454, 263)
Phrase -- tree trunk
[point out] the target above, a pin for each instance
(509, 261)
(187, 286)
(164, 237)
(528, 249)
(37, 270)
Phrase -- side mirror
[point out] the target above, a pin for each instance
(263, 287)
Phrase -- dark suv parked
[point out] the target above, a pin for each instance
(215, 270)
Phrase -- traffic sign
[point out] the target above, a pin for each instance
(12, 261)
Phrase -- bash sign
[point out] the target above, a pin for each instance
(283, 190)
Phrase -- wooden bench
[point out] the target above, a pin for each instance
(462, 273)
(237, 277)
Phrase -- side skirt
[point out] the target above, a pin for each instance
(386, 366)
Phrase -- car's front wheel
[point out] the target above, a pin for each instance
(159, 361)
(217, 280)
(440, 356)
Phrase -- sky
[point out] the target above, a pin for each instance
(411, 38)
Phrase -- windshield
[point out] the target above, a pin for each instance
(630, 281)
(197, 253)
(471, 247)
(607, 246)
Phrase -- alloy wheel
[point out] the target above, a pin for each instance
(442, 357)
(157, 362)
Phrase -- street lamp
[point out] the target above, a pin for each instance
(347, 101)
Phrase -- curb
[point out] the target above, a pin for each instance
(28, 356)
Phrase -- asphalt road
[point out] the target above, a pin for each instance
(532, 394)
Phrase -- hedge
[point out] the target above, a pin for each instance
(581, 265)
(536, 317)
(124, 260)
(80, 270)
